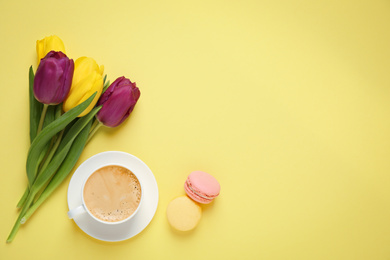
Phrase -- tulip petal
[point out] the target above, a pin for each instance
(117, 108)
(84, 66)
(53, 78)
(87, 79)
(47, 44)
(47, 81)
(83, 90)
(69, 71)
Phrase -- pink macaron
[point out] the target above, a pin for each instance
(202, 187)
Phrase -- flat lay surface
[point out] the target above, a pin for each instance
(285, 103)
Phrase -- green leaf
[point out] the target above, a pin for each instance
(105, 86)
(47, 133)
(44, 176)
(58, 111)
(49, 118)
(52, 113)
(35, 107)
(64, 170)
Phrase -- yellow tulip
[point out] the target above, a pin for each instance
(47, 44)
(87, 79)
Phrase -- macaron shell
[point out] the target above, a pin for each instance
(194, 196)
(183, 213)
(202, 184)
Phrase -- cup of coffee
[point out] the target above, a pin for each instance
(111, 194)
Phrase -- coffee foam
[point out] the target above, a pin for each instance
(112, 193)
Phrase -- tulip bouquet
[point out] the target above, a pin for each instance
(69, 102)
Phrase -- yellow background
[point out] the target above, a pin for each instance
(286, 103)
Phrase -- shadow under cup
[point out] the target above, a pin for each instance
(111, 195)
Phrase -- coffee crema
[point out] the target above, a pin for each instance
(112, 193)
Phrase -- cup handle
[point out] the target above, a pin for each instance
(76, 211)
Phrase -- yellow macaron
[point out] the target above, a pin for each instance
(183, 213)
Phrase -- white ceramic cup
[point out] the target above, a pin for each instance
(82, 209)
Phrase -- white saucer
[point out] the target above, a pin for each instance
(144, 215)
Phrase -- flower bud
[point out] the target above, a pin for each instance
(47, 44)
(87, 79)
(53, 78)
(118, 101)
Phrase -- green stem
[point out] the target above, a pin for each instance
(23, 198)
(52, 151)
(21, 214)
(94, 124)
(46, 154)
(96, 127)
(45, 106)
(46, 134)
(47, 161)
(64, 170)
(36, 205)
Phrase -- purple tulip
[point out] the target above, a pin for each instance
(118, 101)
(53, 78)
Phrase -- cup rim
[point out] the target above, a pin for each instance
(85, 206)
